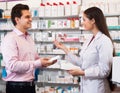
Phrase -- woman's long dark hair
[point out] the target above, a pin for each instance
(97, 14)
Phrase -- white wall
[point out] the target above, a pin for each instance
(84, 1)
(36, 3)
(101, 0)
(64, 1)
(31, 3)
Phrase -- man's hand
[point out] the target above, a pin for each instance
(45, 62)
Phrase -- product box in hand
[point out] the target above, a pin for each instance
(54, 58)
(68, 66)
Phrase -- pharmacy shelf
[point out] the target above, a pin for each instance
(56, 29)
(51, 53)
(56, 53)
(37, 42)
(54, 83)
(61, 29)
(114, 27)
(34, 30)
(56, 17)
(39, 84)
(116, 40)
(112, 15)
(5, 31)
(3, 19)
(110, 28)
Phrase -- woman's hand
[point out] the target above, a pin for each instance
(61, 46)
(76, 72)
(45, 62)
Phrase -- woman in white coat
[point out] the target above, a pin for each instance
(96, 55)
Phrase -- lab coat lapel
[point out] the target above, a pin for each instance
(98, 35)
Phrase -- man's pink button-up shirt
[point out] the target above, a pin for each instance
(20, 56)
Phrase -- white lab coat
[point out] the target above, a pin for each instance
(96, 60)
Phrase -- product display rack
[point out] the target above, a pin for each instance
(67, 30)
(114, 31)
(56, 78)
(44, 26)
(41, 84)
(49, 75)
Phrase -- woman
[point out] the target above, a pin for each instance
(96, 55)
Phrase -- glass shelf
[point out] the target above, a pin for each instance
(37, 42)
(56, 29)
(114, 27)
(112, 15)
(57, 17)
(116, 40)
(51, 53)
(39, 84)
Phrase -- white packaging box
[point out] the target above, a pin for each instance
(41, 10)
(76, 22)
(68, 66)
(112, 7)
(106, 9)
(53, 24)
(44, 36)
(54, 11)
(118, 7)
(102, 6)
(51, 36)
(48, 8)
(60, 11)
(43, 24)
(60, 23)
(112, 21)
(116, 69)
(34, 24)
(67, 9)
(38, 36)
(75, 8)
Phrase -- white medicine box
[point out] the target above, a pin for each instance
(116, 69)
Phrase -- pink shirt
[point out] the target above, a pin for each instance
(20, 56)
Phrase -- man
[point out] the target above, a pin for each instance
(19, 53)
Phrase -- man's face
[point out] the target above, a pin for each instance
(25, 20)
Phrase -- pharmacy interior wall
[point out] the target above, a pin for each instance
(35, 3)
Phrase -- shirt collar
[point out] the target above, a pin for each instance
(98, 35)
(19, 33)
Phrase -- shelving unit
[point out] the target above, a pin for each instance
(114, 27)
(51, 28)
(40, 84)
(114, 30)
(56, 78)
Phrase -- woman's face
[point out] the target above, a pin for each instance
(87, 23)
